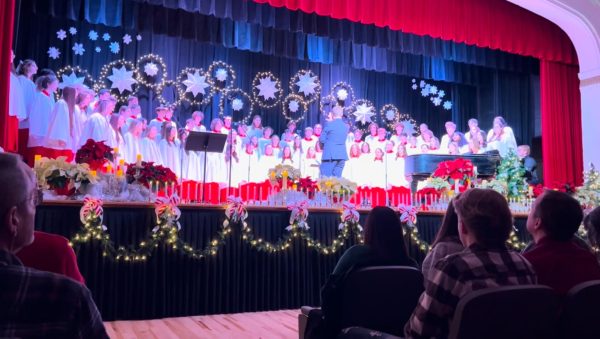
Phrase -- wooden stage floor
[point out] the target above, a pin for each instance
(274, 324)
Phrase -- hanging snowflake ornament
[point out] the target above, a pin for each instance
(267, 88)
(150, 69)
(126, 39)
(441, 93)
(307, 83)
(105, 36)
(422, 83)
(293, 105)
(447, 105)
(53, 53)
(363, 113)
(70, 80)
(221, 74)
(122, 79)
(114, 47)
(390, 115)
(424, 92)
(342, 94)
(237, 104)
(437, 101)
(61, 34)
(138, 37)
(433, 90)
(196, 83)
(93, 35)
(414, 86)
(73, 30)
(98, 49)
(414, 81)
(78, 49)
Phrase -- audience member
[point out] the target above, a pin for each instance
(591, 222)
(36, 303)
(559, 263)
(484, 224)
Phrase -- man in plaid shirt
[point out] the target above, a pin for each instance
(484, 224)
(35, 303)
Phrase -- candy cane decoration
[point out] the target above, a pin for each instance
(299, 215)
(408, 214)
(236, 209)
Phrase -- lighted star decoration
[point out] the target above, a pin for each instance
(237, 104)
(363, 113)
(195, 83)
(70, 80)
(138, 37)
(390, 115)
(267, 88)
(78, 49)
(98, 49)
(150, 69)
(122, 79)
(221, 74)
(73, 30)
(105, 36)
(126, 39)
(342, 94)
(307, 84)
(93, 35)
(114, 47)
(53, 53)
(447, 105)
(61, 34)
(293, 106)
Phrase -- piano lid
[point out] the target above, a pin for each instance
(422, 165)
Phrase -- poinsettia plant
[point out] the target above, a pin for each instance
(454, 170)
(62, 177)
(94, 153)
(149, 172)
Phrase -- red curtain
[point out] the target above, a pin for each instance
(561, 124)
(7, 15)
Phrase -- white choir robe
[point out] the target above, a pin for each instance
(309, 143)
(506, 143)
(117, 140)
(29, 96)
(96, 128)
(59, 128)
(237, 168)
(288, 161)
(79, 119)
(216, 170)
(444, 144)
(39, 119)
(352, 169)
(395, 171)
(378, 144)
(297, 158)
(376, 173)
(362, 174)
(193, 165)
(265, 163)
(16, 103)
(396, 139)
(310, 168)
(250, 169)
(132, 148)
(171, 155)
(158, 124)
(369, 139)
(413, 150)
(150, 151)
(200, 128)
(262, 142)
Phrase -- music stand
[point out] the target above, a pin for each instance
(208, 143)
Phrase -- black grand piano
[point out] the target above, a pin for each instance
(420, 166)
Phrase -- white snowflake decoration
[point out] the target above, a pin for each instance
(307, 84)
(195, 83)
(221, 74)
(237, 104)
(414, 86)
(363, 113)
(105, 36)
(73, 30)
(441, 93)
(138, 37)
(414, 80)
(98, 49)
(424, 92)
(267, 88)
(114, 47)
(342, 94)
(422, 83)
(390, 115)
(70, 80)
(122, 79)
(93, 35)
(78, 49)
(151, 69)
(61, 34)
(433, 90)
(53, 53)
(437, 101)
(293, 106)
(126, 39)
(447, 105)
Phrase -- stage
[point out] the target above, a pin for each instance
(237, 279)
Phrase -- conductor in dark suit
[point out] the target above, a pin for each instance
(333, 139)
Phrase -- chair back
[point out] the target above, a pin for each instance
(381, 297)
(525, 311)
(580, 312)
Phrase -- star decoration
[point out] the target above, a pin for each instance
(441, 93)
(195, 83)
(114, 47)
(61, 34)
(93, 35)
(122, 79)
(307, 84)
(433, 90)
(237, 104)
(447, 105)
(342, 94)
(221, 74)
(390, 115)
(138, 37)
(293, 106)
(105, 36)
(267, 88)
(53, 53)
(126, 39)
(70, 80)
(73, 30)
(98, 49)
(150, 69)
(78, 49)
(414, 86)
(437, 101)
(363, 113)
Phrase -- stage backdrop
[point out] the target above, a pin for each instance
(378, 63)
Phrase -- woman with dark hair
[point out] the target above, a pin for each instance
(591, 222)
(446, 241)
(384, 245)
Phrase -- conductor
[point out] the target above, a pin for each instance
(333, 139)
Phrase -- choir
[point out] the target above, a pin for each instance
(53, 128)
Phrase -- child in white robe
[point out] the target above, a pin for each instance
(170, 150)
(40, 111)
(265, 139)
(133, 139)
(116, 141)
(215, 162)
(376, 171)
(308, 140)
(395, 168)
(193, 162)
(356, 140)
(25, 72)
(256, 129)
(16, 104)
(501, 137)
(84, 97)
(373, 136)
(398, 131)
(364, 163)
(352, 167)
(310, 165)
(60, 135)
(297, 153)
(97, 126)
(412, 147)
(249, 165)
(157, 122)
(266, 162)
(149, 146)
(277, 146)
(198, 118)
(286, 156)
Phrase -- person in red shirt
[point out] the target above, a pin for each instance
(557, 260)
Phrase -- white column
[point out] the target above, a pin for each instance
(590, 119)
